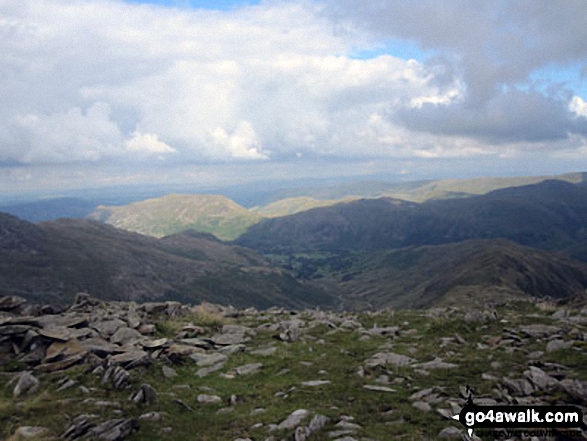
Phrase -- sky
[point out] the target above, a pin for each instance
(99, 93)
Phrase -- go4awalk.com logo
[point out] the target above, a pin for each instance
(527, 417)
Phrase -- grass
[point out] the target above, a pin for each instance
(321, 354)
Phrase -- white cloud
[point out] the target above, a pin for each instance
(147, 143)
(106, 81)
(578, 105)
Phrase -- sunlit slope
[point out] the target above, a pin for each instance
(171, 214)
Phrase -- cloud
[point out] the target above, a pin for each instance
(108, 82)
(488, 47)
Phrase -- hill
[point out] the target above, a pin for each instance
(550, 215)
(284, 207)
(466, 274)
(51, 261)
(177, 212)
(50, 209)
(420, 191)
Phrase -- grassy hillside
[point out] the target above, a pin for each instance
(287, 206)
(52, 261)
(468, 273)
(174, 213)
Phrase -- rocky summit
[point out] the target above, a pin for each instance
(167, 371)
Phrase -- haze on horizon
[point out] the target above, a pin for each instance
(109, 92)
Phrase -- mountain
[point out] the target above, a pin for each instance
(420, 191)
(177, 212)
(51, 261)
(51, 209)
(550, 215)
(468, 273)
(284, 207)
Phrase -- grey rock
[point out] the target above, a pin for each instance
(152, 416)
(437, 363)
(26, 383)
(209, 399)
(26, 432)
(315, 383)
(108, 327)
(208, 359)
(422, 405)
(114, 430)
(450, 432)
(248, 369)
(264, 352)
(169, 372)
(79, 427)
(145, 395)
(8, 303)
(232, 349)
(557, 345)
(205, 371)
(388, 358)
(229, 339)
(133, 357)
(541, 379)
(293, 420)
(378, 388)
(119, 377)
(125, 336)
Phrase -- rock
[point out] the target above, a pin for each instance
(557, 345)
(126, 336)
(27, 432)
(378, 388)
(290, 335)
(229, 339)
(293, 420)
(248, 369)
(315, 383)
(8, 303)
(450, 432)
(119, 377)
(385, 358)
(422, 405)
(208, 370)
(209, 399)
(100, 347)
(62, 364)
(208, 359)
(238, 329)
(264, 352)
(540, 379)
(145, 395)
(108, 327)
(539, 330)
(154, 344)
(152, 416)
(134, 357)
(26, 383)
(317, 423)
(232, 349)
(302, 433)
(79, 427)
(437, 363)
(114, 430)
(169, 372)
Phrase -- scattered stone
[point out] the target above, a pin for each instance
(209, 399)
(169, 372)
(294, 420)
(208, 359)
(450, 432)
(248, 369)
(378, 388)
(145, 395)
(385, 358)
(315, 383)
(557, 345)
(26, 432)
(114, 430)
(26, 383)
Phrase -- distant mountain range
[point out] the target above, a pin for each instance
(51, 261)
(550, 215)
(457, 247)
